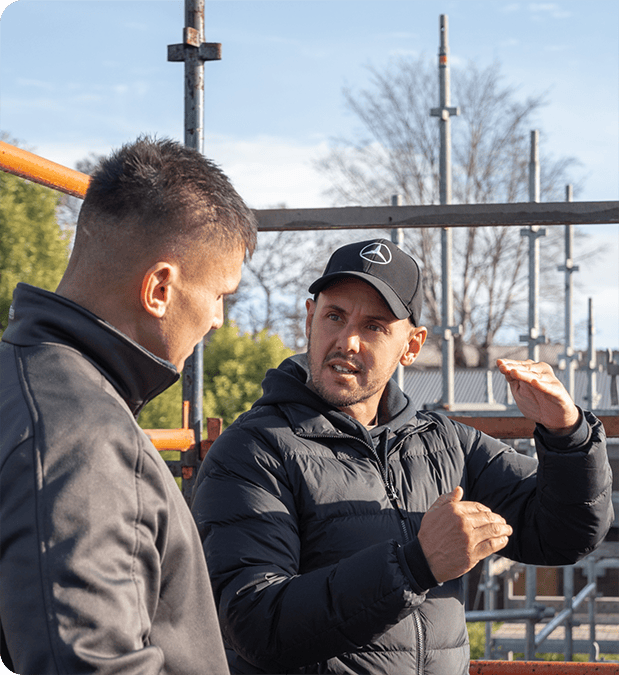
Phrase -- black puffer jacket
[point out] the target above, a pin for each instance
(309, 526)
(101, 567)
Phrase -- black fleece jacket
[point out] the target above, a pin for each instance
(101, 567)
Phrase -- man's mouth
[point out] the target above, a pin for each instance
(343, 366)
(343, 369)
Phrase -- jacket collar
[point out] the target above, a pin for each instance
(39, 316)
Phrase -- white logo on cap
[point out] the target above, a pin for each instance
(380, 253)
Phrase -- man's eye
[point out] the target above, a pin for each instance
(375, 327)
(333, 317)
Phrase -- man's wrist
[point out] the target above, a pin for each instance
(577, 439)
(566, 431)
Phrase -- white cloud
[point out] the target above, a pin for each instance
(269, 171)
(551, 8)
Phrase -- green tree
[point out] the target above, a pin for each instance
(33, 247)
(234, 366)
(165, 411)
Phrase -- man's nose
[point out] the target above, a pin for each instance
(349, 340)
(218, 317)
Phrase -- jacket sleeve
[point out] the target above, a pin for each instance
(80, 562)
(272, 613)
(560, 506)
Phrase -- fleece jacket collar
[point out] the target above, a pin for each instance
(39, 316)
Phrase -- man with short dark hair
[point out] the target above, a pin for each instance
(337, 521)
(101, 568)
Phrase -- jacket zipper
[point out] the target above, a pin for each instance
(421, 647)
(394, 498)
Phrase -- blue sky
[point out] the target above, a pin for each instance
(82, 76)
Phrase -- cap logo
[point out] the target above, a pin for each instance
(376, 253)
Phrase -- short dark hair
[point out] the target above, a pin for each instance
(168, 195)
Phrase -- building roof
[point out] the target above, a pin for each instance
(552, 353)
(476, 386)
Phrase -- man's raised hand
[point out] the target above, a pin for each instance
(539, 395)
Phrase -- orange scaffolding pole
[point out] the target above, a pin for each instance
(545, 667)
(43, 171)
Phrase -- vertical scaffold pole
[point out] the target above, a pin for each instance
(569, 268)
(592, 394)
(194, 52)
(534, 232)
(194, 138)
(397, 237)
(533, 338)
(444, 113)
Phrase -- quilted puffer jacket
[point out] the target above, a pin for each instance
(309, 526)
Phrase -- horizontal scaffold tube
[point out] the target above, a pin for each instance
(546, 667)
(43, 171)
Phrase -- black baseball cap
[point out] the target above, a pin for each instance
(383, 265)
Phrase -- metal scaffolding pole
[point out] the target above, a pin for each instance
(444, 113)
(533, 339)
(397, 237)
(194, 52)
(569, 268)
(534, 232)
(592, 394)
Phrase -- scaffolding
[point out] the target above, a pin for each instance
(533, 215)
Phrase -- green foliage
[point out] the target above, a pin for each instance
(33, 248)
(165, 411)
(477, 639)
(234, 367)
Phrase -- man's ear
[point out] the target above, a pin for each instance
(310, 306)
(156, 288)
(417, 338)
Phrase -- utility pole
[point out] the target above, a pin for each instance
(194, 52)
(448, 330)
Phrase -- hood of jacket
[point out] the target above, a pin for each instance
(286, 387)
(38, 316)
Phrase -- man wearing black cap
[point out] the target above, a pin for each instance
(337, 521)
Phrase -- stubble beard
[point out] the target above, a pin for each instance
(341, 399)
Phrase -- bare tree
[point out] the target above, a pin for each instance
(274, 286)
(69, 206)
(396, 151)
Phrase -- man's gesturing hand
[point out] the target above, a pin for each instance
(539, 395)
(455, 535)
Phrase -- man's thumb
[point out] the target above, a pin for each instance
(455, 495)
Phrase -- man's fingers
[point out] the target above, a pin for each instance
(456, 535)
(492, 538)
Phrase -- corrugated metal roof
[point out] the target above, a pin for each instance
(552, 353)
(471, 386)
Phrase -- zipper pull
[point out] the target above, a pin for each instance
(395, 498)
